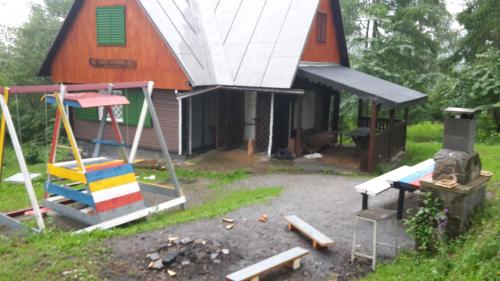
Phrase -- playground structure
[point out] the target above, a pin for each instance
(99, 192)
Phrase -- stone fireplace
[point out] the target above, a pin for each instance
(457, 177)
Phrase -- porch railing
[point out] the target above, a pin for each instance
(390, 142)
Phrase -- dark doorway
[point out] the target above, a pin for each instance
(282, 126)
(232, 119)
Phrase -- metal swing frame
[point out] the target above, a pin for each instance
(59, 203)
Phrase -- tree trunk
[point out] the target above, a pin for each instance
(496, 118)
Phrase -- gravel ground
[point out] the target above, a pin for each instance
(326, 202)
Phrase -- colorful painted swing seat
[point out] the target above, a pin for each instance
(107, 186)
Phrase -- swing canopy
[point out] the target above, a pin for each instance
(90, 100)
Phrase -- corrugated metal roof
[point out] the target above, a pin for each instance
(253, 43)
(363, 85)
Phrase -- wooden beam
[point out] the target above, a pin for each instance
(373, 137)
(336, 110)
(298, 135)
(360, 111)
(3, 130)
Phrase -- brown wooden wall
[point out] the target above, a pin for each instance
(323, 52)
(154, 60)
(168, 113)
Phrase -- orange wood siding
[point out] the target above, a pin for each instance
(323, 52)
(166, 106)
(144, 44)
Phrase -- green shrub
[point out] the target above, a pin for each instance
(425, 132)
(428, 224)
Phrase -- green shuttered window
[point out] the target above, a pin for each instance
(131, 112)
(110, 22)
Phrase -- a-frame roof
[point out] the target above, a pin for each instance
(250, 43)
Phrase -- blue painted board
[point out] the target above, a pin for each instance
(72, 194)
(109, 173)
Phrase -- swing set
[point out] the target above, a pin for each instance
(100, 192)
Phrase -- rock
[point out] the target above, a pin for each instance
(171, 273)
(173, 238)
(200, 241)
(153, 256)
(201, 256)
(185, 262)
(225, 251)
(217, 261)
(169, 259)
(187, 240)
(213, 256)
(156, 265)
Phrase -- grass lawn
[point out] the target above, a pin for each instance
(475, 255)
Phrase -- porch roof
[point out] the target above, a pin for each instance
(362, 85)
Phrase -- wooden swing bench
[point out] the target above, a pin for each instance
(319, 240)
(290, 258)
(98, 191)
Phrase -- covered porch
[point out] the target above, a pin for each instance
(377, 138)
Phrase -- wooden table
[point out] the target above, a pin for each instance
(410, 181)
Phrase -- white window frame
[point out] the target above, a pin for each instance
(119, 119)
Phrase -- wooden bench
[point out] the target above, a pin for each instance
(319, 240)
(378, 185)
(253, 272)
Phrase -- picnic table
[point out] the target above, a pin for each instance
(404, 179)
(410, 181)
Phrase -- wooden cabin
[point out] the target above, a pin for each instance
(226, 73)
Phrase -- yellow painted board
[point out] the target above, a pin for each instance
(112, 182)
(66, 173)
(104, 163)
(3, 130)
(69, 133)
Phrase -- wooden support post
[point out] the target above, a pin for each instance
(22, 163)
(390, 127)
(360, 111)
(298, 135)
(2, 131)
(373, 137)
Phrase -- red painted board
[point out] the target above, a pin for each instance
(118, 202)
(89, 100)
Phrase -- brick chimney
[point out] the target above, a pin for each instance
(457, 157)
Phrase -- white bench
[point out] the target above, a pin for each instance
(319, 240)
(253, 272)
(379, 184)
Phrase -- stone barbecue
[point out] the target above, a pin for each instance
(457, 177)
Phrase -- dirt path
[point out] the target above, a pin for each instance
(326, 202)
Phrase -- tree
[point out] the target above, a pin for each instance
(476, 85)
(481, 20)
(21, 58)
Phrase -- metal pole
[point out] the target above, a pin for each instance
(22, 164)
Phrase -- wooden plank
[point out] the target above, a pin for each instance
(72, 194)
(112, 182)
(136, 215)
(319, 239)
(65, 173)
(115, 192)
(99, 175)
(255, 270)
(377, 185)
(103, 166)
(118, 202)
(3, 130)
